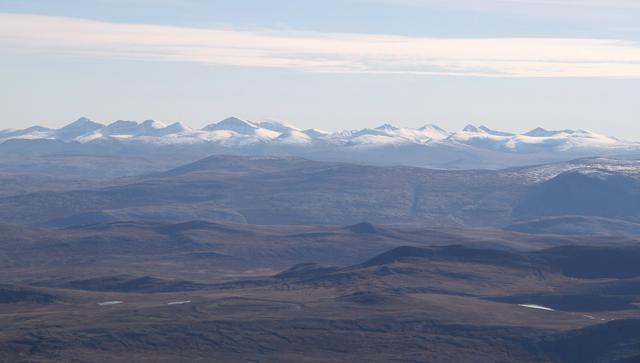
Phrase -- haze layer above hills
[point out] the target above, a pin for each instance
(603, 195)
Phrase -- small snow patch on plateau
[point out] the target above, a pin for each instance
(179, 302)
(534, 306)
(107, 303)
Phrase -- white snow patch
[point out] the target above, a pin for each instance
(107, 303)
(266, 134)
(534, 306)
(294, 138)
(179, 302)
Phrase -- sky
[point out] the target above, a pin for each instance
(511, 65)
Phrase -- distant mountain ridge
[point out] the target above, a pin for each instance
(289, 191)
(427, 146)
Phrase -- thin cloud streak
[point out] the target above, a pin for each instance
(474, 4)
(598, 15)
(546, 8)
(323, 52)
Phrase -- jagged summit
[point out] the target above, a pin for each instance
(81, 127)
(470, 128)
(152, 124)
(540, 132)
(434, 132)
(82, 122)
(432, 127)
(387, 127)
(494, 132)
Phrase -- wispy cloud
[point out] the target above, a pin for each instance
(577, 6)
(323, 52)
(593, 12)
(616, 4)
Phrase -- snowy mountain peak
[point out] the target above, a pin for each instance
(387, 127)
(540, 132)
(177, 127)
(583, 132)
(122, 123)
(233, 124)
(315, 133)
(152, 124)
(494, 132)
(83, 122)
(432, 127)
(38, 128)
(81, 127)
(470, 128)
(434, 132)
(485, 130)
(132, 128)
(30, 132)
(121, 127)
(294, 137)
(277, 126)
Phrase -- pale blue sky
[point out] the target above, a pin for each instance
(509, 64)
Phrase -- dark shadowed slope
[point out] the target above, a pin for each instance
(576, 225)
(583, 193)
(215, 251)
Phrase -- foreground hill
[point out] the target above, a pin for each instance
(410, 303)
(584, 192)
(206, 251)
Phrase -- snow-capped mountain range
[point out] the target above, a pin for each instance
(234, 131)
(430, 145)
